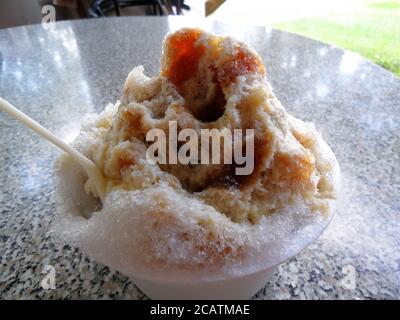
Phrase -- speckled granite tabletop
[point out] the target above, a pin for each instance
(57, 75)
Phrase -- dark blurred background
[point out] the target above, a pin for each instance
(22, 12)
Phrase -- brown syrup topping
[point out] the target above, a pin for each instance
(292, 169)
(134, 124)
(185, 56)
(241, 63)
(125, 162)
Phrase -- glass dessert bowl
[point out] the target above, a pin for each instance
(194, 230)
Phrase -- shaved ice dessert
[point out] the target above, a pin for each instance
(197, 230)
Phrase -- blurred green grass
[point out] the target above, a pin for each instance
(373, 31)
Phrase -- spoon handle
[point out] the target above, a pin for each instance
(90, 167)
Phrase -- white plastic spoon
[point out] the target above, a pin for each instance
(90, 167)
